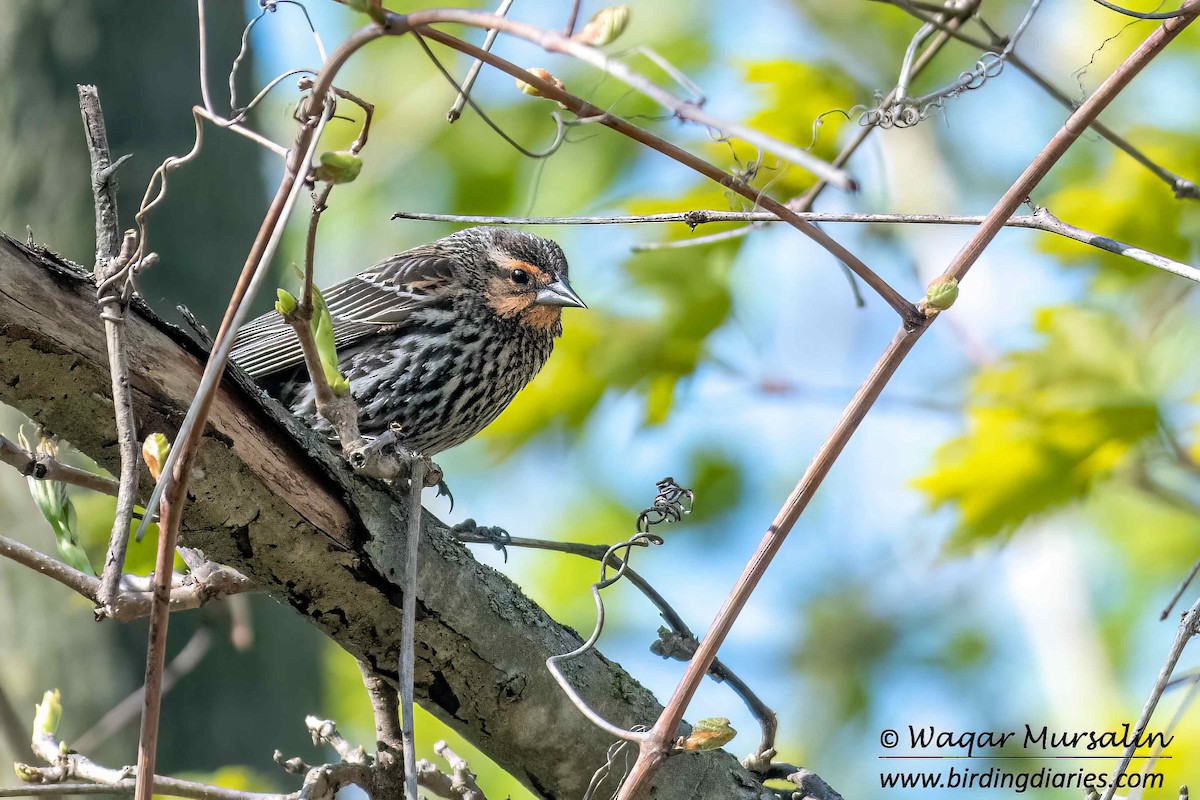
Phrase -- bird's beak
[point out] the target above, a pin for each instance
(559, 293)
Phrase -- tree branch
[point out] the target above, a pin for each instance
(657, 748)
(591, 113)
(1041, 220)
(43, 467)
(276, 503)
(114, 280)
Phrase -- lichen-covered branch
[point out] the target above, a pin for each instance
(277, 504)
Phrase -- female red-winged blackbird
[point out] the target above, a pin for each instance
(437, 339)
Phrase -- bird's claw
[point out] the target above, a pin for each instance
(498, 538)
(443, 490)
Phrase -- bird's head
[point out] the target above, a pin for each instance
(522, 277)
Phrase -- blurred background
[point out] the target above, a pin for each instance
(993, 549)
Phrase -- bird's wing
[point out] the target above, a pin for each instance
(382, 297)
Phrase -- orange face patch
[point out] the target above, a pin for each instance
(509, 264)
(541, 317)
(507, 302)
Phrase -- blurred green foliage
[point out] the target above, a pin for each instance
(1045, 425)
(1095, 419)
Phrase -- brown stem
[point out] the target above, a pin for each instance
(184, 452)
(657, 747)
(113, 274)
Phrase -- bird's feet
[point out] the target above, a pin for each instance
(385, 458)
(469, 531)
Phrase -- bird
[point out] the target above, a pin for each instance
(435, 341)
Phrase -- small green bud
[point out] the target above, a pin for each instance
(338, 166)
(942, 293)
(709, 734)
(604, 27)
(52, 500)
(285, 303)
(47, 714)
(155, 450)
(538, 72)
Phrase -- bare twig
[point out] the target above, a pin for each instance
(569, 29)
(1182, 187)
(1189, 626)
(44, 467)
(114, 277)
(1128, 12)
(598, 552)
(408, 625)
(657, 747)
(1182, 588)
(554, 42)
(1041, 220)
(187, 591)
(460, 784)
(70, 766)
(389, 738)
(592, 113)
(469, 81)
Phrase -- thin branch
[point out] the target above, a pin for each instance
(389, 738)
(591, 113)
(187, 591)
(569, 29)
(1041, 220)
(70, 766)
(408, 625)
(657, 747)
(114, 277)
(241, 130)
(1183, 188)
(1189, 626)
(44, 467)
(52, 568)
(1182, 588)
(469, 81)
(554, 42)
(172, 485)
(598, 552)
(460, 784)
(1179, 12)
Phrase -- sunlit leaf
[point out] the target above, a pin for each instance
(1044, 425)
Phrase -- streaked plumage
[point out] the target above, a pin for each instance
(438, 339)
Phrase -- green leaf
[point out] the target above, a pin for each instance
(47, 714)
(1045, 425)
(322, 328)
(52, 500)
(286, 303)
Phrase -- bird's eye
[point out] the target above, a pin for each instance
(519, 276)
